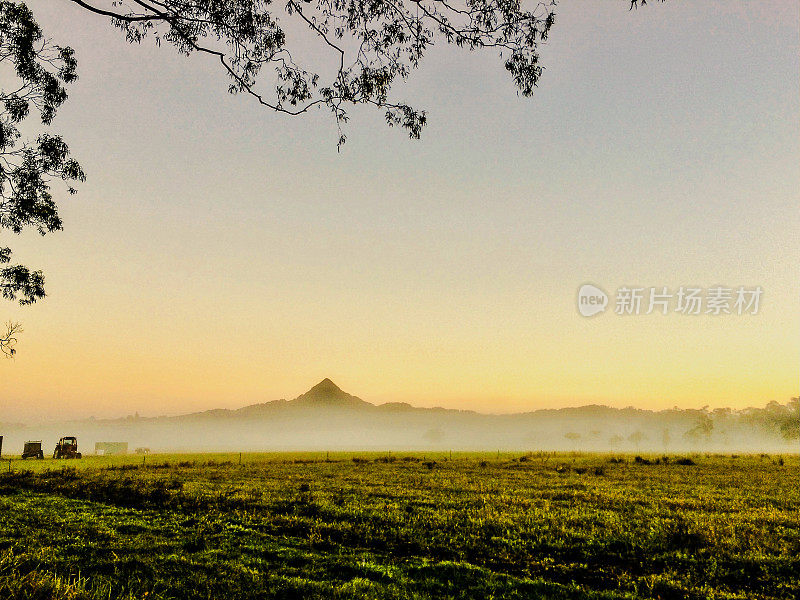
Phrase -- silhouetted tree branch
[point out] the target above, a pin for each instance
(8, 339)
(373, 43)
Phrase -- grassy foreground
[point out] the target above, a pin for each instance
(400, 526)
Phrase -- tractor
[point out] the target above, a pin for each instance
(33, 450)
(67, 447)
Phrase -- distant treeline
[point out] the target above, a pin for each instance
(349, 423)
(692, 428)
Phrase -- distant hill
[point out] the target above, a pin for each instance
(328, 418)
(324, 395)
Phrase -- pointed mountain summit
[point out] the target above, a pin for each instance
(326, 388)
(328, 394)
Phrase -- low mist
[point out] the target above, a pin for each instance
(326, 418)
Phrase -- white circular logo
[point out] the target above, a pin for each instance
(591, 300)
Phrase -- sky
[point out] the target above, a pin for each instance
(220, 254)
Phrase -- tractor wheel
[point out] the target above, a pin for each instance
(78, 455)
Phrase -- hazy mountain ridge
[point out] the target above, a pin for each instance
(326, 417)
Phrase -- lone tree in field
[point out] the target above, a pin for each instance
(702, 430)
(574, 438)
(636, 438)
(615, 440)
(666, 439)
(368, 46)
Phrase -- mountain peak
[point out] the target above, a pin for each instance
(326, 386)
(327, 393)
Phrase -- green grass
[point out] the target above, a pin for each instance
(401, 526)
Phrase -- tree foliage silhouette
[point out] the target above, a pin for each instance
(28, 166)
(370, 43)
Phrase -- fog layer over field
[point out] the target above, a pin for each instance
(326, 418)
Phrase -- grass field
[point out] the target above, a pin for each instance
(400, 526)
